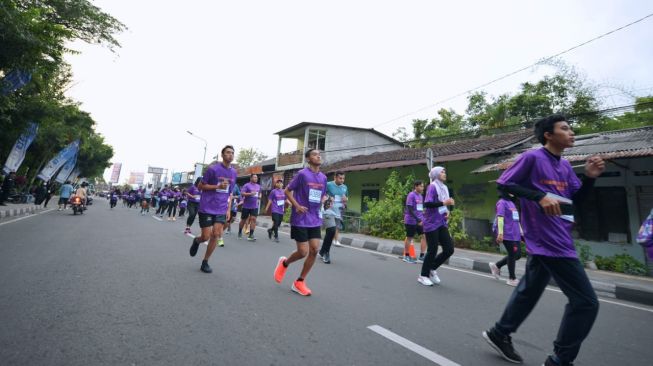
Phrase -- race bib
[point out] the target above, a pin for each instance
(281, 202)
(197, 196)
(164, 198)
(569, 218)
(443, 210)
(226, 190)
(515, 216)
(314, 195)
(420, 207)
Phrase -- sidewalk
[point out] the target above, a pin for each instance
(20, 209)
(606, 284)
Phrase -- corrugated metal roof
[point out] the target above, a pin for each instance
(630, 143)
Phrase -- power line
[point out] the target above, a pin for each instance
(516, 71)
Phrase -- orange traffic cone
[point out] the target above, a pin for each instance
(411, 250)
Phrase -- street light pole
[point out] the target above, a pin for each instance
(205, 144)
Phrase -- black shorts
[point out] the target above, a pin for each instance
(411, 230)
(63, 201)
(247, 212)
(208, 220)
(304, 234)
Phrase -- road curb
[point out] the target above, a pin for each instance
(619, 291)
(14, 212)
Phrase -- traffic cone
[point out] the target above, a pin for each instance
(411, 250)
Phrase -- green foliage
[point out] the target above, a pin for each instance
(249, 156)
(456, 230)
(385, 217)
(584, 252)
(485, 245)
(622, 263)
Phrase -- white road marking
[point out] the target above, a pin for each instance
(27, 216)
(426, 353)
(549, 288)
(157, 218)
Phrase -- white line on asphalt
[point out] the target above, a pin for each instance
(426, 353)
(26, 217)
(552, 289)
(157, 218)
(193, 236)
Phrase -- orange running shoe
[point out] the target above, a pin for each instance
(301, 288)
(280, 271)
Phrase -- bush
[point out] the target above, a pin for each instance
(456, 230)
(622, 263)
(584, 252)
(385, 217)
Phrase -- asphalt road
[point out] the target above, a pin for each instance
(117, 288)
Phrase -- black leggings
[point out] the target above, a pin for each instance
(433, 238)
(192, 212)
(514, 253)
(276, 222)
(172, 208)
(162, 207)
(328, 240)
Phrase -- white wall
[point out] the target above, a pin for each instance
(341, 139)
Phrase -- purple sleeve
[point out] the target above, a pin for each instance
(410, 201)
(501, 208)
(295, 182)
(574, 182)
(519, 172)
(209, 176)
(232, 184)
(431, 194)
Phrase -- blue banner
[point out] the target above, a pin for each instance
(15, 80)
(53, 165)
(17, 154)
(66, 170)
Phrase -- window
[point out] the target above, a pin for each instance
(317, 139)
(603, 216)
(369, 193)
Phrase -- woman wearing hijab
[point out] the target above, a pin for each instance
(435, 226)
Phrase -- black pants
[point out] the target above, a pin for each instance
(433, 239)
(182, 211)
(192, 212)
(580, 312)
(276, 222)
(112, 204)
(328, 240)
(172, 206)
(47, 199)
(514, 253)
(162, 207)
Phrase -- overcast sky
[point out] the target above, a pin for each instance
(238, 71)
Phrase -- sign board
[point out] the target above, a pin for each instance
(115, 172)
(136, 178)
(429, 158)
(198, 170)
(176, 178)
(153, 170)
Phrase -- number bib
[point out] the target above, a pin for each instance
(515, 216)
(280, 202)
(314, 196)
(420, 207)
(443, 210)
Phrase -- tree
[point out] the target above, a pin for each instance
(448, 122)
(401, 134)
(249, 156)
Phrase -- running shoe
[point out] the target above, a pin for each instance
(503, 345)
(301, 288)
(337, 243)
(512, 283)
(550, 362)
(251, 238)
(433, 276)
(194, 246)
(280, 271)
(496, 271)
(276, 239)
(424, 281)
(205, 267)
(220, 242)
(319, 255)
(327, 258)
(240, 236)
(174, 219)
(420, 259)
(408, 259)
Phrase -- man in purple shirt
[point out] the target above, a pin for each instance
(277, 202)
(251, 193)
(548, 187)
(193, 195)
(413, 217)
(217, 186)
(306, 192)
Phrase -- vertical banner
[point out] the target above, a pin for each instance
(17, 154)
(73, 175)
(115, 172)
(53, 165)
(198, 170)
(14, 80)
(66, 170)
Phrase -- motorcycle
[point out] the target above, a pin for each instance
(76, 204)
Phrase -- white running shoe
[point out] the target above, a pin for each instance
(424, 281)
(496, 271)
(337, 243)
(512, 283)
(433, 276)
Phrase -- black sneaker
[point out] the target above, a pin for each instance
(503, 345)
(549, 362)
(194, 247)
(205, 267)
(326, 258)
(276, 239)
(270, 234)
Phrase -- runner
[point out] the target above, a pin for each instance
(435, 226)
(173, 201)
(193, 195)
(113, 198)
(235, 202)
(64, 194)
(147, 198)
(183, 203)
(413, 221)
(548, 187)
(306, 192)
(329, 222)
(277, 201)
(509, 232)
(337, 190)
(163, 201)
(251, 193)
(215, 204)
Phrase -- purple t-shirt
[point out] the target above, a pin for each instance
(277, 200)
(415, 201)
(195, 192)
(217, 202)
(308, 189)
(251, 202)
(539, 170)
(507, 210)
(433, 216)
